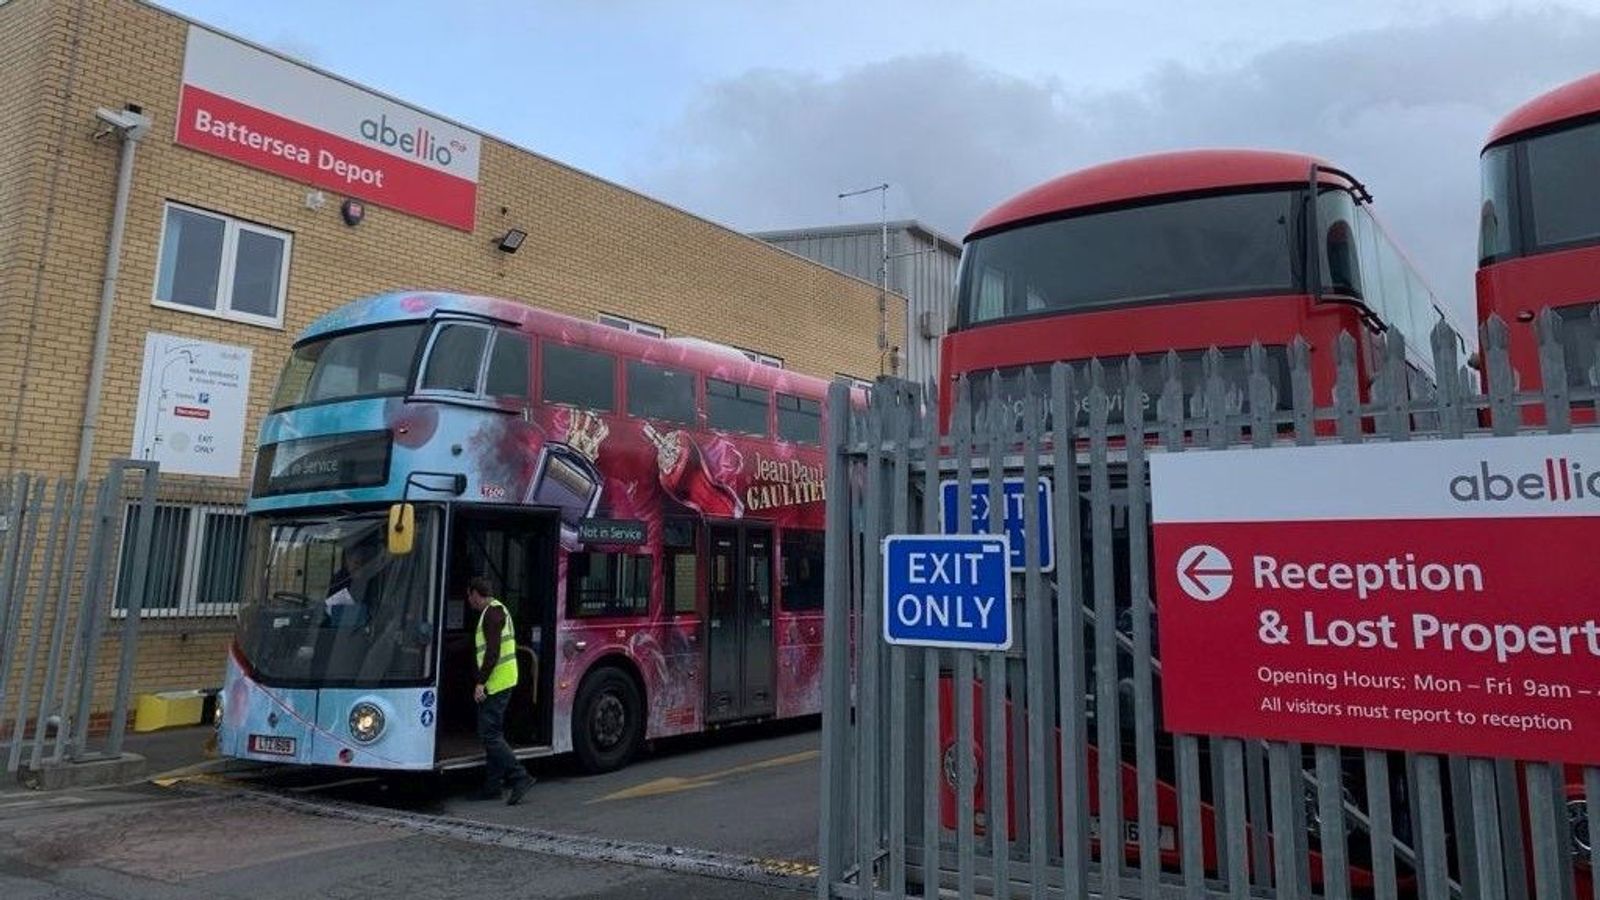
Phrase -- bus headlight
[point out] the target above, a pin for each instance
(366, 722)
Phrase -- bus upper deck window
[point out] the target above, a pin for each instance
(455, 358)
(509, 366)
(1344, 276)
(578, 377)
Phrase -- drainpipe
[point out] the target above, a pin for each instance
(131, 125)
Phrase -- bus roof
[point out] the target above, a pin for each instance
(1571, 100)
(1155, 175)
(706, 356)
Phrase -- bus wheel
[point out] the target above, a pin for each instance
(608, 720)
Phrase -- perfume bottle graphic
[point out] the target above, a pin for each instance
(684, 475)
(566, 477)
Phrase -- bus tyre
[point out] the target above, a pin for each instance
(607, 721)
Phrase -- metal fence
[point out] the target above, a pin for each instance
(991, 774)
(86, 574)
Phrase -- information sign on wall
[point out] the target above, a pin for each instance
(193, 398)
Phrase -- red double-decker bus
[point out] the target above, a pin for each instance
(1539, 234)
(1538, 248)
(1185, 251)
(1182, 252)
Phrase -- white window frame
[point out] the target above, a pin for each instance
(855, 382)
(189, 606)
(230, 255)
(765, 359)
(631, 325)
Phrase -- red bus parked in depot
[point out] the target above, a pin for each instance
(1539, 248)
(1185, 251)
(1181, 251)
(1539, 234)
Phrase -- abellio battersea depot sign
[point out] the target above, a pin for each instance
(1439, 596)
(267, 113)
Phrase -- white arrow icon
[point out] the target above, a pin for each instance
(1205, 573)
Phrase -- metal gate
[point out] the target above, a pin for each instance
(990, 774)
(79, 566)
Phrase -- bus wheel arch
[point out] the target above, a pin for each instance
(609, 715)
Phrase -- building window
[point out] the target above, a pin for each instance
(858, 383)
(216, 265)
(196, 563)
(736, 407)
(765, 359)
(608, 584)
(627, 324)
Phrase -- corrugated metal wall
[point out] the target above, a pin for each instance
(927, 280)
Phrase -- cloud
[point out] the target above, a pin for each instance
(1405, 108)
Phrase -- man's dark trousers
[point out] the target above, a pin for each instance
(502, 766)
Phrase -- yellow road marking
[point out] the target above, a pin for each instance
(183, 773)
(789, 867)
(674, 784)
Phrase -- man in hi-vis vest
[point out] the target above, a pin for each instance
(497, 675)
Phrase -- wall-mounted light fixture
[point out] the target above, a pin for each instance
(352, 211)
(511, 240)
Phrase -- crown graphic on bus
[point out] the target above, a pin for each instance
(1562, 479)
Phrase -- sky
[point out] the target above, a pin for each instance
(758, 114)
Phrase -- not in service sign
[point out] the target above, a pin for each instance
(1437, 596)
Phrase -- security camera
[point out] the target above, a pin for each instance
(130, 121)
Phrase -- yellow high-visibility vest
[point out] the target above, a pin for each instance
(503, 677)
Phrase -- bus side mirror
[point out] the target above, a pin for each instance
(402, 528)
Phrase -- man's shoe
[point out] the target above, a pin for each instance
(520, 791)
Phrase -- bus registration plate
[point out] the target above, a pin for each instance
(272, 744)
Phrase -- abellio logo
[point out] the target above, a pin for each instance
(418, 142)
(1562, 480)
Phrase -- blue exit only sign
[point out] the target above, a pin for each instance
(1013, 517)
(947, 591)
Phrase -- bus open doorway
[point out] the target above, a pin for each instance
(516, 550)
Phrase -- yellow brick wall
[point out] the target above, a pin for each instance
(28, 30)
(591, 247)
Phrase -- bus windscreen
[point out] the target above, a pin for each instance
(1238, 244)
(327, 604)
(375, 362)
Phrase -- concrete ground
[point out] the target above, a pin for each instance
(741, 806)
(152, 844)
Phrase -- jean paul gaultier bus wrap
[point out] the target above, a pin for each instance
(651, 510)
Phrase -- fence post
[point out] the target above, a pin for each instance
(999, 423)
(836, 638)
(91, 619)
(130, 621)
(1552, 838)
(48, 698)
(36, 633)
(28, 534)
(932, 765)
(1492, 776)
